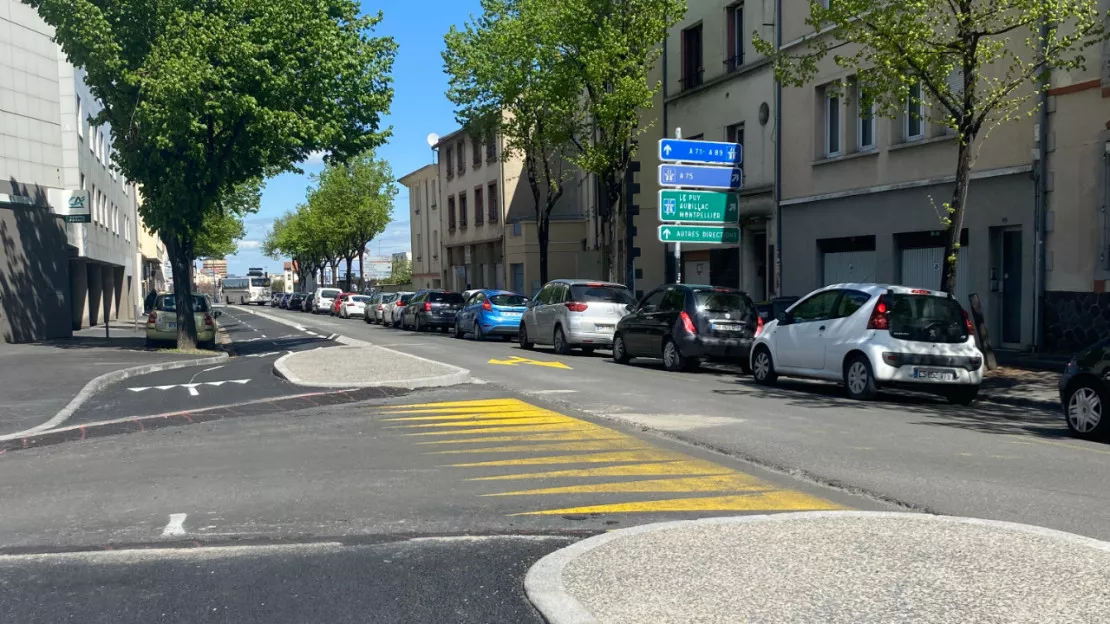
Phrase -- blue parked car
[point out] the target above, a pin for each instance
(491, 313)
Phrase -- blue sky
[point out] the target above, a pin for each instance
(419, 108)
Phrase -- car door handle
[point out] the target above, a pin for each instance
(821, 328)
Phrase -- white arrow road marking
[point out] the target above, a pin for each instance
(192, 387)
(176, 525)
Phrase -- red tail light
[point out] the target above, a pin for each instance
(758, 325)
(381, 307)
(427, 306)
(879, 319)
(487, 306)
(575, 306)
(153, 318)
(687, 324)
(208, 320)
(967, 321)
(400, 304)
(920, 291)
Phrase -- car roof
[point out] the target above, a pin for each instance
(879, 289)
(581, 282)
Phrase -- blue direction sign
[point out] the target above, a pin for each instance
(725, 178)
(712, 152)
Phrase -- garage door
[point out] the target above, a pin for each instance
(849, 266)
(921, 268)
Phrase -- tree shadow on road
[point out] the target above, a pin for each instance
(981, 416)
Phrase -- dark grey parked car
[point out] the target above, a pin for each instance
(435, 309)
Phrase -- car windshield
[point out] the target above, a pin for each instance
(926, 318)
(388, 298)
(601, 293)
(360, 298)
(505, 299)
(445, 297)
(168, 303)
(329, 293)
(713, 301)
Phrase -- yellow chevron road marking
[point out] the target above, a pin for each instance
(460, 404)
(599, 445)
(781, 500)
(594, 458)
(496, 422)
(668, 468)
(507, 415)
(569, 426)
(720, 483)
(599, 434)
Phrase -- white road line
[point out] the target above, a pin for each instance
(211, 369)
(263, 335)
(311, 333)
(551, 392)
(192, 390)
(176, 525)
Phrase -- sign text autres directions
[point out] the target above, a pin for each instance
(721, 234)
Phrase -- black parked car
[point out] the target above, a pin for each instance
(431, 309)
(283, 303)
(1085, 393)
(296, 301)
(686, 324)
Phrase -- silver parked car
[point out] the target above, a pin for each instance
(391, 314)
(572, 313)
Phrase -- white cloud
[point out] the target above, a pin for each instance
(315, 158)
(249, 244)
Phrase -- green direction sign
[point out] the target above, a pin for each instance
(722, 234)
(699, 206)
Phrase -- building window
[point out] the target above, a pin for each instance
(735, 134)
(517, 228)
(865, 120)
(451, 214)
(460, 162)
(435, 244)
(80, 119)
(832, 124)
(475, 152)
(449, 162)
(692, 67)
(914, 127)
(435, 195)
(462, 210)
(479, 205)
(94, 132)
(491, 147)
(491, 200)
(419, 247)
(735, 19)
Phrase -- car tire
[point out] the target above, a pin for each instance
(620, 354)
(417, 325)
(559, 341)
(963, 395)
(522, 338)
(478, 335)
(459, 333)
(763, 367)
(859, 379)
(672, 357)
(1088, 420)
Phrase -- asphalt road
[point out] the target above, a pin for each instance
(987, 460)
(256, 342)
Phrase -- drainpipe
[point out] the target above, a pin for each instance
(778, 158)
(1041, 206)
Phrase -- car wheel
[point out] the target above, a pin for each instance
(859, 379)
(478, 332)
(459, 333)
(560, 342)
(1084, 411)
(525, 344)
(416, 325)
(763, 367)
(673, 359)
(963, 395)
(620, 356)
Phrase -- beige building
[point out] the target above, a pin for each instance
(487, 220)
(152, 256)
(717, 88)
(424, 226)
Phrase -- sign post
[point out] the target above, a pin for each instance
(685, 206)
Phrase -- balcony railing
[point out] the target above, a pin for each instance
(692, 78)
(734, 63)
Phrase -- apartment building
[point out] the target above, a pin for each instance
(424, 226)
(152, 257)
(862, 198)
(716, 87)
(55, 167)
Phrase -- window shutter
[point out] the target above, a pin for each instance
(956, 82)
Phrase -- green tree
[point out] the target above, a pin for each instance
(400, 272)
(976, 64)
(203, 96)
(277, 285)
(607, 48)
(223, 227)
(502, 84)
(356, 199)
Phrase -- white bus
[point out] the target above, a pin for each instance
(247, 290)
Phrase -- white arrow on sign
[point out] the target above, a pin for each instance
(666, 232)
(667, 150)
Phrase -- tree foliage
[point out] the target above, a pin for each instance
(503, 84)
(223, 228)
(970, 64)
(203, 96)
(400, 272)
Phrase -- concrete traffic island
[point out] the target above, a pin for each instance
(829, 568)
(363, 365)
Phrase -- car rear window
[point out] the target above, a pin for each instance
(388, 297)
(407, 298)
(445, 297)
(360, 298)
(329, 293)
(168, 303)
(602, 294)
(507, 300)
(713, 301)
(926, 318)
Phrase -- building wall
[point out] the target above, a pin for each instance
(424, 225)
(34, 274)
(566, 257)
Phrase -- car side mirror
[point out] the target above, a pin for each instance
(217, 314)
(784, 318)
(629, 307)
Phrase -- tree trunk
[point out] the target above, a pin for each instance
(611, 213)
(956, 213)
(182, 265)
(349, 261)
(543, 235)
(361, 269)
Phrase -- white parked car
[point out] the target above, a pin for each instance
(391, 315)
(569, 313)
(353, 305)
(323, 299)
(872, 335)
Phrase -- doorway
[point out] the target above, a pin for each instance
(1010, 286)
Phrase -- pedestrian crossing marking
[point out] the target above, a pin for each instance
(579, 453)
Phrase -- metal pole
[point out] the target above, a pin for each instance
(678, 246)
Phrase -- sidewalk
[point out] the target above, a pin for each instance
(362, 365)
(827, 568)
(41, 381)
(1023, 388)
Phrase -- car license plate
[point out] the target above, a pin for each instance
(602, 328)
(512, 314)
(932, 374)
(171, 325)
